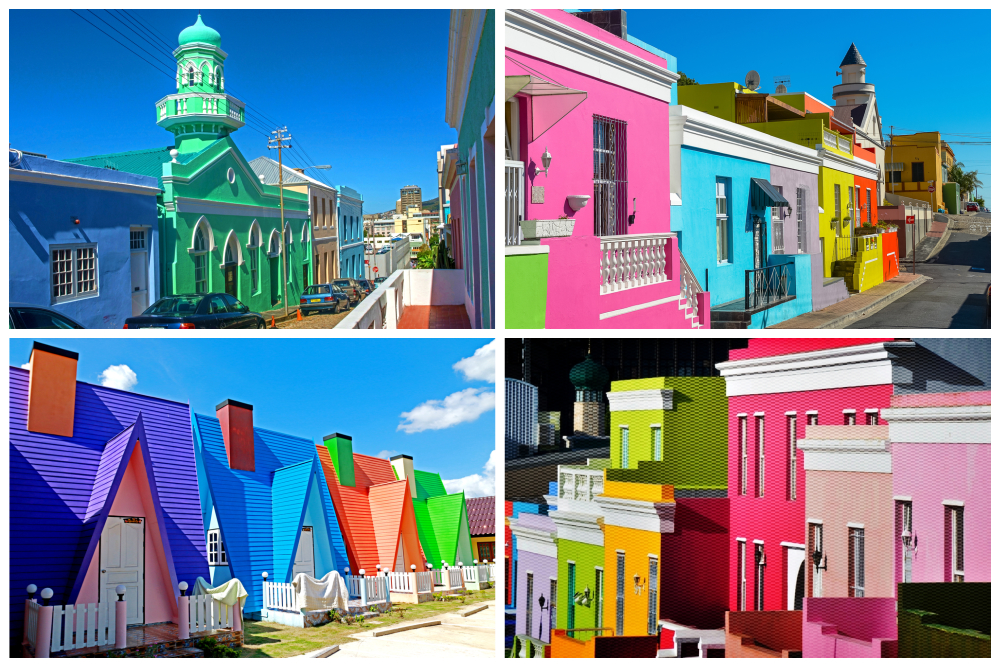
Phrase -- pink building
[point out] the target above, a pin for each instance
(776, 387)
(588, 237)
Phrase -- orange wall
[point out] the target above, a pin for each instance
(51, 393)
(867, 183)
(890, 255)
(134, 499)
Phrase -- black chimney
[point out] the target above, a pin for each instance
(611, 20)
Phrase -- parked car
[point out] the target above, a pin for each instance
(379, 280)
(323, 297)
(367, 285)
(972, 207)
(197, 311)
(351, 288)
(29, 316)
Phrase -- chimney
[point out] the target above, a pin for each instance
(341, 450)
(236, 420)
(52, 390)
(403, 467)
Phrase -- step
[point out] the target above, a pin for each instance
(729, 325)
(190, 652)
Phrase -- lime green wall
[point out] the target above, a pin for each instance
(716, 99)
(526, 290)
(694, 437)
(586, 557)
(828, 228)
(796, 100)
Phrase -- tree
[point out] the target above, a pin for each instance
(425, 257)
(685, 80)
(967, 181)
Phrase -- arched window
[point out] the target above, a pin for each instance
(204, 71)
(190, 76)
(253, 248)
(200, 261)
(218, 75)
(288, 235)
(274, 244)
(232, 253)
(305, 233)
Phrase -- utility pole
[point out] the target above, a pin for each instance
(279, 142)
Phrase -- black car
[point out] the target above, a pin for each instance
(323, 297)
(197, 311)
(28, 316)
(350, 287)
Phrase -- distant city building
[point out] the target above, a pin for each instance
(410, 196)
(521, 417)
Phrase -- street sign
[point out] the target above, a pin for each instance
(376, 269)
(366, 261)
(911, 219)
(930, 188)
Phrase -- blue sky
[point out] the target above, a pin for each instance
(363, 91)
(923, 80)
(314, 387)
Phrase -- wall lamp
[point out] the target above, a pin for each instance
(546, 161)
(542, 607)
(817, 557)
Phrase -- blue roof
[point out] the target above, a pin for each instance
(81, 170)
(64, 484)
(260, 513)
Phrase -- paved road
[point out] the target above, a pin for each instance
(457, 638)
(314, 321)
(955, 297)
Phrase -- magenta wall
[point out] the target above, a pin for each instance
(770, 347)
(863, 620)
(773, 518)
(930, 473)
(574, 298)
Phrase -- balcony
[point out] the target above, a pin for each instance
(581, 484)
(837, 142)
(414, 299)
(763, 634)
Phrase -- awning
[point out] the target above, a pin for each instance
(550, 102)
(763, 195)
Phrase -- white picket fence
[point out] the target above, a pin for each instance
(376, 589)
(483, 572)
(455, 578)
(399, 582)
(208, 614)
(492, 567)
(425, 582)
(279, 596)
(81, 625)
(31, 624)
(470, 573)
(438, 577)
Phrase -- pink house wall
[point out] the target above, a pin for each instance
(134, 499)
(574, 297)
(837, 497)
(849, 627)
(771, 347)
(773, 518)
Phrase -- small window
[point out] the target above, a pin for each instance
(231, 175)
(743, 455)
(652, 615)
(955, 542)
(816, 547)
(657, 443)
(917, 171)
(793, 449)
(778, 212)
(598, 597)
(904, 537)
(721, 221)
(760, 457)
(812, 418)
(850, 418)
(570, 593)
(216, 548)
(530, 603)
(624, 430)
(836, 201)
(620, 595)
(73, 272)
(871, 418)
(137, 239)
(856, 563)
(800, 219)
(758, 559)
(741, 581)
(868, 204)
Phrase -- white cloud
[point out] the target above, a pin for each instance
(481, 365)
(26, 365)
(386, 453)
(118, 377)
(477, 485)
(462, 406)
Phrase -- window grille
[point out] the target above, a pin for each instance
(856, 563)
(868, 203)
(624, 431)
(216, 549)
(553, 596)
(651, 611)
(529, 603)
(657, 443)
(598, 597)
(570, 592)
(137, 239)
(793, 448)
(620, 596)
(610, 177)
(73, 272)
(721, 222)
(800, 216)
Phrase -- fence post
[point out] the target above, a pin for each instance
(237, 617)
(413, 579)
(43, 631)
(363, 589)
(183, 618)
(31, 596)
(385, 582)
(121, 616)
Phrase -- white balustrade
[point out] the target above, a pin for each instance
(844, 143)
(829, 139)
(399, 582)
(438, 576)
(633, 260)
(484, 574)
(208, 614)
(493, 572)
(81, 625)
(470, 574)
(279, 596)
(455, 578)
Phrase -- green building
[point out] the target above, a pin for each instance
(220, 228)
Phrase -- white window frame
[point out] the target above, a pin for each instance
(743, 454)
(760, 455)
(758, 591)
(741, 593)
(856, 546)
(721, 222)
(216, 548)
(778, 212)
(906, 514)
(652, 604)
(812, 418)
(74, 273)
(817, 542)
(836, 201)
(956, 519)
(134, 234)
(793, 448)
(624, 447)
(657, 442)
(800, 220)
(850, 417)
(868, 207)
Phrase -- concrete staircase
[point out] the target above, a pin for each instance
(847, 269)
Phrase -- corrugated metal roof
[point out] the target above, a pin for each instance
(429, 484)
(853, 57)
(148, 162)
(268, 168)
(482, 515)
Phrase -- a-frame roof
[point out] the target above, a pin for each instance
(66, 483)
(439, 520)
(853, 57)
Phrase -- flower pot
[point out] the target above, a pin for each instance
(576, 202)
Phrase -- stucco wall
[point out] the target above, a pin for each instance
(543, 568)
(41, 214)
(827, 229)
(586, 557)
(525, 290)
(636, 545)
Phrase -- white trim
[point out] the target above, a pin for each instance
(952, 424)
(464, 32)
(791, 413)
(905, 499)
(534, 540)
(641, 399)
(818, 522)
(851, 524)
(641, 306)
(850, 411)
(793, 545)
(846, 455)
(848, 165)
(854, 366)
(953, 503)
(660, 426)
(260, 235)
(758, 541)
(578, 527)
(812, 412)
(270, 237)
(654, 517)
(741, 414)
(239, 249)
(869, 411)
(758, 414)
(77, 182)
(210, 237)
(532, 33)
(741, 539)
(203, 206)
(526, 250)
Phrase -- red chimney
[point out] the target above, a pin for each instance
(236, 420)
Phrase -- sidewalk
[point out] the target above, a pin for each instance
(855, 306)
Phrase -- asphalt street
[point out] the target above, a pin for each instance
(955, 295)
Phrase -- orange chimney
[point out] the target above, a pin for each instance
(236, 420)
(52, 390)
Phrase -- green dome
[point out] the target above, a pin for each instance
(199, 32)
(589, 375)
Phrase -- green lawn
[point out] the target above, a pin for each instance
(271, 640)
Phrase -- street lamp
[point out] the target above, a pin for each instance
(542, 607)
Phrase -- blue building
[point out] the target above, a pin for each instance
(83, 240)
(734, 191)
(265, 504)
(350, 209)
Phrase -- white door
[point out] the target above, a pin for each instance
(140, 271)
(796, 559)
(123, 559)
(304, 555)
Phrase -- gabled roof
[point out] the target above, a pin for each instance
(67, 483)
(482, 515)
(254, 508)
(369, 471)
(148, 162)
(429, 484)
(439, 520)
(853, 57)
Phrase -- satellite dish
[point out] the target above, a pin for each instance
(753, 80)
(781, 89)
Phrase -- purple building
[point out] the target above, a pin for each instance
(536, 576)
(103, 492)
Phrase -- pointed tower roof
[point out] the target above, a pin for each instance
(201, 33)
(853, 57)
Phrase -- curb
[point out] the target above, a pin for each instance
(474, 610)
(875, 306)
(389, 631)
(940, 244)
(326, 653)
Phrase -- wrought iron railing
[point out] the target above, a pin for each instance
(513, 201)
(765, 286)
(633, 260)
(690, 287)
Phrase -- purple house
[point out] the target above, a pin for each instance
(103, 492)
(536, 576)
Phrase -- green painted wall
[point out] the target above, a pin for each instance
(342, 455)
(694, 436)
(830, 220)
(440, 529)
(586, 557)
(526, 288)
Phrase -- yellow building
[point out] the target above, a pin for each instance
(917, 166)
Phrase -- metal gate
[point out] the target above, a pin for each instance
(610, 177)
(513, 201)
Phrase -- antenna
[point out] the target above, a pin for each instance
(753, 80)
(779, 84)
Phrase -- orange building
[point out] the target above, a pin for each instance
(865, 191)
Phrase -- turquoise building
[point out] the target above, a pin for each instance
(351, 230)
